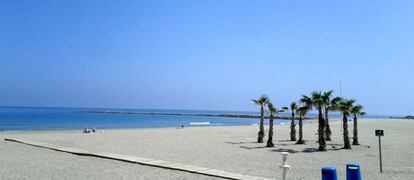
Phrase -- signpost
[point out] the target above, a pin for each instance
(379, 133)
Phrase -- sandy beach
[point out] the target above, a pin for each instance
(230, 148)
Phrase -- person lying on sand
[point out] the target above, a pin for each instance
(93, 130)
(86, 130)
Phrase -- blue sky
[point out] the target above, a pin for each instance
(213, 55)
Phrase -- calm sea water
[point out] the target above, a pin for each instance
(29, 118)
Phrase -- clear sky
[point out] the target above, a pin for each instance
(210, 54)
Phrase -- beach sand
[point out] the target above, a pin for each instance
(227, 148)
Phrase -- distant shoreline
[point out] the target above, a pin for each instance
(405, 117)
(193, 114)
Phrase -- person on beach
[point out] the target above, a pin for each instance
(86, 130)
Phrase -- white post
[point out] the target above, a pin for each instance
(284, 165)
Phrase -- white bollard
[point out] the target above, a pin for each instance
(284, 165)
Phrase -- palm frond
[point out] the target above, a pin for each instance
(264, 99)
(345, 106)
(334, 105)
(316, 94)
(317, 99)
(351, 101)
(357, 109)
(326, 98)
(293, 106)
(306, 100)
(303, 110)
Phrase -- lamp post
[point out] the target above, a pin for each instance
(340, 86)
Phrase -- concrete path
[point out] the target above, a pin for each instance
(142, 161)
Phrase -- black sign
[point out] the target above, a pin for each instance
(379, 132)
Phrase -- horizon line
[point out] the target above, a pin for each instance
(179, 109)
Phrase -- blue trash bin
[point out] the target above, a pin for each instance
(353, 171)
(329, 173)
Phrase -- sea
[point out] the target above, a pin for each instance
(46, 118)
(50, 118)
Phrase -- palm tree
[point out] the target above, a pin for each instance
(333, 106)
(262, 101)
(345, 106)
(293, 108)
(272, 111)
(318, 104)
(326, 99)
(302, 113)
(356, 110)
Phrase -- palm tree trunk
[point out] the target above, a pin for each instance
(300, 141)
(347, 144)
(270, 137)
(321, 131)
(261, 130)
(328, 128)
(355, 138)
(292, 128)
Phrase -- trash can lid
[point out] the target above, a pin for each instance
(352, 164)
(328, 168)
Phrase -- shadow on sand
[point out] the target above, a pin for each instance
(245, 145)
(256, 147)
(240, 142)
(286, 141)
(291, 151)
(310, 150)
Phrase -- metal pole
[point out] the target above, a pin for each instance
(340, 87)
(380, 154)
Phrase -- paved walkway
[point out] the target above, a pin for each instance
(142, 161)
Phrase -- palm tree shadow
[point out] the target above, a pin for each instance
(286, 144)
(235, 143)
(334, 144)
(291, 151)
(282, 145)
(286, 141)
(310, 150)
(257, 147)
